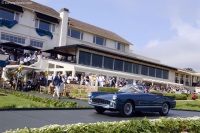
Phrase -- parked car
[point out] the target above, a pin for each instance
(129, 99)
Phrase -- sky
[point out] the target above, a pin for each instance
(166, 30)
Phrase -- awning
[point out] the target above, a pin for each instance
(54, 51)
(11, 45)
(11, 7)
(47, 18)
(29, 47)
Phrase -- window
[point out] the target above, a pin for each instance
(36, 43)
(51, 65)
(99, 40)
(8, 15)
(144, 70)
(84, 58)
(119, 46)
(108, 63)
(12, 38)
(136, 68)
(97, 60)
(158, 73)
(44, 25)
(58, 66)
(75, 34)
(128, 67)
(165, 74)
(118, 65)
(152, 72)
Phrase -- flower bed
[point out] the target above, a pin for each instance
(163, 125)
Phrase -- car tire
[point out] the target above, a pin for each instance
(128, 109)
(99, 110)
(165, 109)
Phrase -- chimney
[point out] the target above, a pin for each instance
(64, 26)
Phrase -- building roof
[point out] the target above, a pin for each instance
(37, 7)
(73, 22)
(96, 30)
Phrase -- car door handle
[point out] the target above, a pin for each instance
(157, 97)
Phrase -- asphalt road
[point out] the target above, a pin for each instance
(39, 118)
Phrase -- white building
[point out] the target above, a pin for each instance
(86, 48)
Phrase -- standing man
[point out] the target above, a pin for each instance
(57, 81)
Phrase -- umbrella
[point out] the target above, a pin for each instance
(11, 45)
(29, 47)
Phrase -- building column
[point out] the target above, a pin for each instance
(63, 27)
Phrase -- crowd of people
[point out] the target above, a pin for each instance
(19, 57)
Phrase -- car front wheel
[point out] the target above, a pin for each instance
(128, 109)
(165, 109)
(99, 110)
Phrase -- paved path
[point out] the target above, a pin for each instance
(39, 118)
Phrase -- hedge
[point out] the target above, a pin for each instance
(163, 125)
(176, 96)
(108, 89)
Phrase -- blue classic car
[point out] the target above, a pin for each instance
(129, 99)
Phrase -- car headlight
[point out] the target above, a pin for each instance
(89, 94)
(114, 97)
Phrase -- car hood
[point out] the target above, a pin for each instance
(105, 96)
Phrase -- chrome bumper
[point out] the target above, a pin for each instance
(112, 104)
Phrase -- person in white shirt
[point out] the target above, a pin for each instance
(50, 78)
(69, 78)
(101, 80)
(26, 60)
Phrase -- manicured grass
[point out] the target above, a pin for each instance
(11, 101)
(188, 105)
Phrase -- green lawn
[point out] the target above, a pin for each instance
(11, 101)
(188, 105)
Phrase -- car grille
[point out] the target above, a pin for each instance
(97, 100)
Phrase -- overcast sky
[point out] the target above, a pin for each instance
(167, 30)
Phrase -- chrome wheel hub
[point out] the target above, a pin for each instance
(128, 108)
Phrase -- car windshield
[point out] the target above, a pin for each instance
(132, 88)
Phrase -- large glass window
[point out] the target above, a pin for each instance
(75, 34)
(144, 70)
(12, 38)
(136, 68)
(128, 67)
(158, 73)
(84, 58)
(44, 25)
(108, 63)
(36, 43)
(99, 40)
(165, 74)
(7, 14)
(97, 60)
(152, 72)
(119, 46)
(118, 65)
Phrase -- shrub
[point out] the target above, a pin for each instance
(49, 102)
(163, 125)
(108, 89)
(176, 96)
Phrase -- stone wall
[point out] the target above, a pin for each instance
(70, 87)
